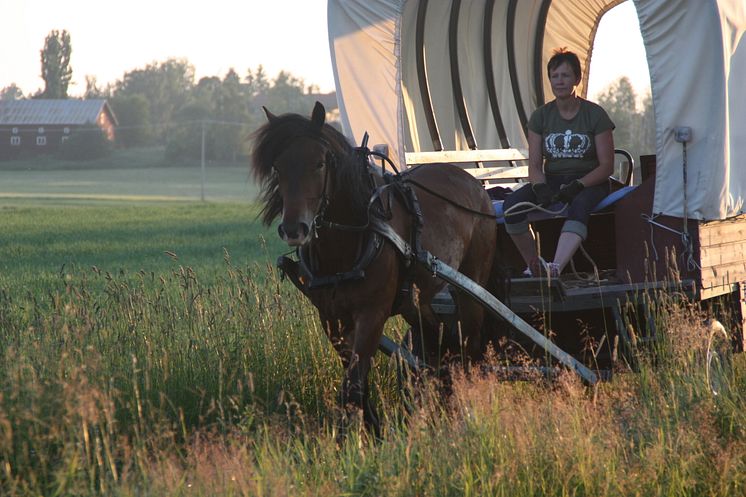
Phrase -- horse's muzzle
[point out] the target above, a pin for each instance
(294, 233)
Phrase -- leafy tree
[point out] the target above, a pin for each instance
(288, 94)
(646, 129)
(92, 89)
(55, 64)
(229, 107)
(86, 144)
(133, 114)
(11, 92)
(620, 102)
(635, 129)
(166, 86)
(256, 82)
(185, 136)
(222, 107)
(233, 115)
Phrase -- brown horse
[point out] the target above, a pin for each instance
(327, 194)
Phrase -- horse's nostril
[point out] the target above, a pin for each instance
(293, 231)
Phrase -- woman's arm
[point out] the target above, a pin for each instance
(535, 159)
(605, 152)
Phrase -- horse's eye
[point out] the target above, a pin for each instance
(320, 164)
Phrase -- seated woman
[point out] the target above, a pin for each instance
(570, 156)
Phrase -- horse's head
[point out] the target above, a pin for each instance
(293, 159)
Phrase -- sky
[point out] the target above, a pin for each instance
(110, 38)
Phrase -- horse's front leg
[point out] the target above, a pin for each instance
(357, 344)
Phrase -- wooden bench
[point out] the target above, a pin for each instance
(509, 174)
(493, 174)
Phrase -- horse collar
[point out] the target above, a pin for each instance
(369, 254)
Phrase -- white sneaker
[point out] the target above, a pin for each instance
(543, 269)
(553, 269)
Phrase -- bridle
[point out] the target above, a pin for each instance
(375, 224)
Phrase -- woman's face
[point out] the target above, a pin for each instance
(563, 80)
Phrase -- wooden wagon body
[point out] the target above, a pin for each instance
(455, 81)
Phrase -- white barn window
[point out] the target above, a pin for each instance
(15, 141)
(41, 140)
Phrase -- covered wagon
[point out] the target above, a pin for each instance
(455, 81)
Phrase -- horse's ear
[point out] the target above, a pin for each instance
(270, 117)
(319, 115)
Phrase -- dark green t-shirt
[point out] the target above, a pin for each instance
(569, 146)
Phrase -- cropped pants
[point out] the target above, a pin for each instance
(578, 211)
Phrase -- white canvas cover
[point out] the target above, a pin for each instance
(695, 54)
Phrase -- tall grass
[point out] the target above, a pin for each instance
(183, 380)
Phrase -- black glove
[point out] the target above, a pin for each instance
(543, 193)
(569, 191)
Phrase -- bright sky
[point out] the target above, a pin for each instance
(111, 38)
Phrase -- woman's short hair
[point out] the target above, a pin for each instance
(562, 55)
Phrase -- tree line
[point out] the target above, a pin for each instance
(163, 103)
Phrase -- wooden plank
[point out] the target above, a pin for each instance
(605, 295)
(458, 156)
(723, 274)
(498, 173)
(717, 291)
(719, 232)
(723, 253)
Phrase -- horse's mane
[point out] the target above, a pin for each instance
(277, 134)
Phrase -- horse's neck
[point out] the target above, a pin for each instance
(337, 249)
(343, 208)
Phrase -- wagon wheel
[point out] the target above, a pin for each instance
(718, 360)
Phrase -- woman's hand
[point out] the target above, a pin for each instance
(569, 191)
(543, 194)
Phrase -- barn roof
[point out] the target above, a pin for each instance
(52, 112)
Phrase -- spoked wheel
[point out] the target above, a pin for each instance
(718, 360)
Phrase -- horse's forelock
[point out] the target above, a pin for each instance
(272, 138)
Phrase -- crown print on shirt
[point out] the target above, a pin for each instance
(567, 145)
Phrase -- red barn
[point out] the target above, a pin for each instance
(40, 126)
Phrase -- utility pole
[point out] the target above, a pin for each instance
(202, 189)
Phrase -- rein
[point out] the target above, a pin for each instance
(375, 224)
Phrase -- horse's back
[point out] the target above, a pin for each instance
(453, 179)
(457, 213)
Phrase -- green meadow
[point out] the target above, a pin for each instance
(149, 348)
(42, 242)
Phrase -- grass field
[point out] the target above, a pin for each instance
(42, 242)
(148, 348)
(128, 175)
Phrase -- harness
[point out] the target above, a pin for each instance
(376, 230)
